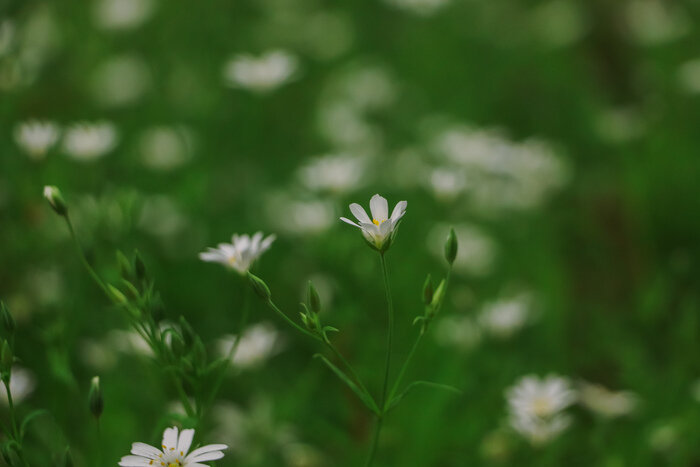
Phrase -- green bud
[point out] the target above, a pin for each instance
(95, 399)
(67, 458)
(259, 286)
(428, 290)
(55, 199)
(6, 357)
(451, 247)
(139, 267)
(8, 321)
(124, 266)
(438, 297)
(313, 298)
(117, 295)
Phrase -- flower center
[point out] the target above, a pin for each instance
(376, 222)
(232, 260)
(542, 407)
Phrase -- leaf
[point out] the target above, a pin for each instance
(395, 401)
(364, 397)
(28, 419)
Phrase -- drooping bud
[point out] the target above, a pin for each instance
(259, 286)
(8, 322)
(428, 290)
(313, 298)
(95, 399)
(451, 247)
(55, 199)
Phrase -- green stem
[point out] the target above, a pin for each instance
(84, 260)
(290, 322)
(350, 368)
(99, 442)
(184, 399)
(11, 406)
(375, 441)
(402, 372)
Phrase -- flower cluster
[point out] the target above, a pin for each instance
(174, 452)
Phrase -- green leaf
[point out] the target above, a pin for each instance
(395, 401)
(364, 396)
(28, 419)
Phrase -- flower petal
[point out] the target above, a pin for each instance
(399, 211)
(185, 441)
(379, 207)
(205, 452)
(145, 450)
(170, 439)
(348, 221)
(359, 213)
(134, 461)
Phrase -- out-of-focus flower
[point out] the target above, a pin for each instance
(381, 227)
(504, 317)
(607, 403)
(120, 81)
(419, 7)
(258, 343)
(536, 407)
(22, 384)
(497, 446)
(619, 125)
(300, 216)
(161, 216)
(447, 183)
(335, 173)
(174, 453)
(460, 332)
(345, 126)
(558, 23)
(165, 147)
(241, 253)
(36, 137)
(663, 437)
(689, 76)
(89, 141)
(477, 251)
(7, 36)
(122, 14)
(654, 21)
(260, 74)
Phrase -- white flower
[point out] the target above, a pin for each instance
(260, 74)
(173, 453)
(381, 228)
(241, 253)
(36, 137)
(122, 14)
(299, 216)
(606, 402)
(120, 80)
(536, 406)
(258, 343)
(419, 7)
(22, 384)
(502, 318)
(89, 141)
(337, 173)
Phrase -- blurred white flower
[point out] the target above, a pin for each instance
(656, 21)
(345, 126)
(122, 14)
(7, 36)
(605, 402)
(258, 343)
(381, 227)
(460, 332)
(689, 76)
(300, 216)
(558, 23)
(337, 173)
(120, 81)
(165, 147)
(260, 74)
(22, 384)
(129, 342)
(506, 316)
(241, 253)
(477, 251)
(174, 453)
(419, 7)
(89, 141)
(36, 137)
(536, 407)
(447, 183)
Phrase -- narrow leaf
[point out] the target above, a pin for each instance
(395, 401)
(28, 419)
(364, 397)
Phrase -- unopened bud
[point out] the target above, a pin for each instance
(55, 199)
(125, 269)
(6, 357)
(438, 296)
(451, 246)
(313, 298)
(428, 290)
(95, 399)
(259, 286)
(8, 321)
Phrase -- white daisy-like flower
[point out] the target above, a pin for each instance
(174, 452)
(36, 137)
(336, 173)
(258, 343)
(241, 253)
(381, 228)
(260, 74)
(22, 384)
(89, 141)
(536, 406)
(605, 402)
(504, 317)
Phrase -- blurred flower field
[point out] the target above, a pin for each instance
(178, 287)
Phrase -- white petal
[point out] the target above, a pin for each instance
(201, 453)
(170, 439)
(359, 213)
(185, 441)
(348, 221)
(265, 245)
(399, 211)
(134, 461)
(379, 207)
(145, 450)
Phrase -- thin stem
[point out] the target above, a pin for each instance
(183, 398)
(290, 322)
(350, 368)
(390, 331)
(11, 406)
(402, 372)
(99, 442)
(375, 441)
(84, 260)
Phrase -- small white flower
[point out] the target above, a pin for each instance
(336, 173)
(258, 343)
(174, 452)
(536, 406)
(36, 137)
(241, 253)
(122, 14)
(22, 384)
(260, 74)
(605, 402)
(503, 318)
(380, 228)
(89, 141)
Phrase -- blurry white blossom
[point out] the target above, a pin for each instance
(460, 332)
(656, 21)
(365, 87)
(8, 33)
(89, 141)
(36, 137)
(605, 402)
(338, 173)
(120, 81)
(22, 384)
(477, 251)
(447, 183)
(536, 407)
(419, 7)
(258, 343)
(345, 126)
(261, 74)
(300, 216)
(241, 253)
(504, 317)
(689, 76)
(165, 147)
(122, 14)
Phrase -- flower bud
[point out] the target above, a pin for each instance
(124, 266)
(8, 321)
(55, 199)
(95, 399)
(438, 296)
(6, 357)
(313, 298)
(451, 247)
(428, 290)
(259, 286)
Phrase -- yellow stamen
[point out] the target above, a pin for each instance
(376, 222)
